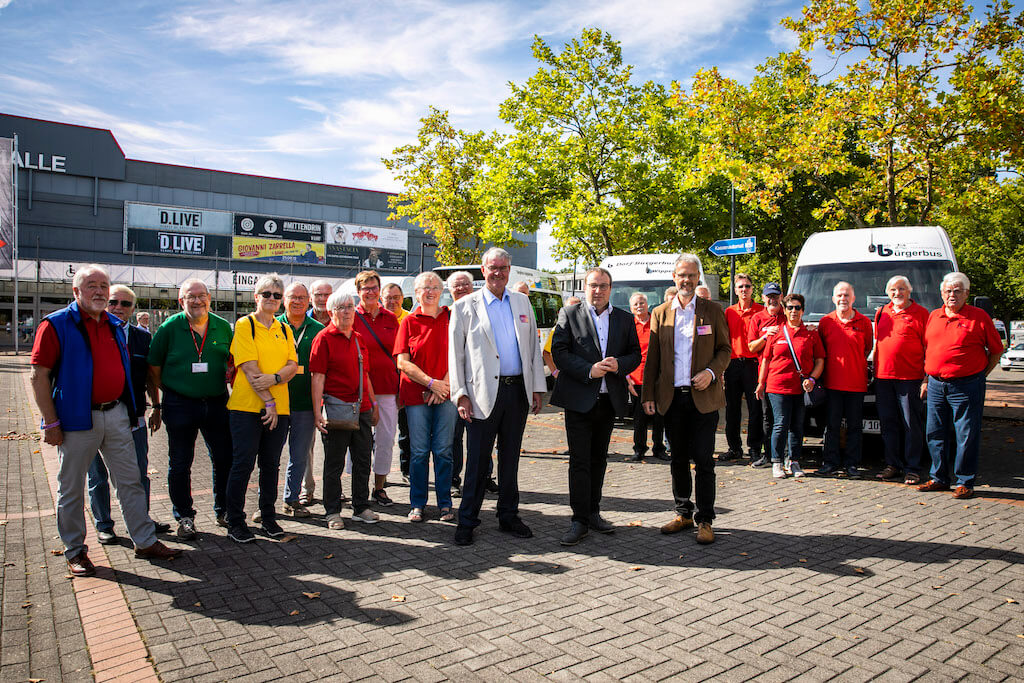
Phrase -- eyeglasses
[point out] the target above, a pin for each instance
(432, 288)
(744, 286)
(370, 288)
(266, 295)
(794, 308)
(347, 308)
(127, 303)
(196, 297)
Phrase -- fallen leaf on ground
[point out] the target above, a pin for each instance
(802, 560)
(1010, 439)
(1011, 601)
(951, 594)
(782, 500)
(921, 502)
(970, 523)
(287, 538)
(636, 522)
(397, 598)
(884, 521)
(328, 556)
(26, 605)
(636, 569)
(935, 588)
(858, 570)
(822, 502)
(443, 596)
(820, 491)
(293, 612)
(744, 554)
(312, 596)
(198, 604)
(56, 552)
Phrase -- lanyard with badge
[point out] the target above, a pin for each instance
(201, 366)
(298, 340)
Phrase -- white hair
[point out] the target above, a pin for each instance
(268, 281)
(338, 299)
(687, 258)
(295, 285)
(187, 284)
(85, 272)
(898, 278)
(316, 283)
(637, 295)
(843, 283)
(493, 253)
(457, 274)
(956, 278)
(422, 278)
(124, 288)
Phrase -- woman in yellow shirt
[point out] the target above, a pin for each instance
(265, 358)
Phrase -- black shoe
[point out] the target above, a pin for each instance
(222, 520)
(730, 456)
(382, 498)
(491, 486)
(827, 471)
(576, 533)
(663, 456)
(106, 537)
(241, 534)
(516, 528)
(272, 528)
(463, 535)
(852, 472)
(600, 524)
(635, 458)
(162, 527)
(763, 461)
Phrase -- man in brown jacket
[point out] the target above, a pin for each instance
(688, 352)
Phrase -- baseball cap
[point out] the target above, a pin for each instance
(770, 289)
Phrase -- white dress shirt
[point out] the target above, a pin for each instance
(601, 323)
(686, 318)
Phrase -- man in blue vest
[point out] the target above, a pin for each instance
(81, 381)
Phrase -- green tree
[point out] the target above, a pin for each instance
(592, 153)
(438, 173)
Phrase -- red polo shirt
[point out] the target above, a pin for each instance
(334, 356)
(107, 371)
(425, 339)
(847, 345)
(761, 320)
(782, 375)
(383, 373)
(959, 345)
(643, 332)
(739, 320)
(899, 348)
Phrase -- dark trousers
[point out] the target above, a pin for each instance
(458, 437)
(356, 443)
(788, 416)
(692, 439)
(641, 421)
(848, 405)
(740, 382)
(901, 418)
(404, 450)
(185, 418)
(252, 444)
(767, 423)
(505, 424)
(99, 481)
(954, 427)
(588, 435)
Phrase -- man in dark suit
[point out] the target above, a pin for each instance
(594, 347)
(688, 352)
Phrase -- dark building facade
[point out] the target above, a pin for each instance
(80, 200)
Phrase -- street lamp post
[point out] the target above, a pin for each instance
(423, 247)
(732, 235)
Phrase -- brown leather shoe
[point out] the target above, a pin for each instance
(932, 485)
(677, 525)
(157, 551)
(890, 473)
(704, 533)
(81, 565)
(962, 492)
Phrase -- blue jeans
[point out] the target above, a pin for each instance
(252, 442)
(954, 427)
(788, 412)
(430, 431)
(184, 419)
(849, 405)
(99, 481)
(301, 431)
(901, 418)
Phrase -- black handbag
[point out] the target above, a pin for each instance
(342, 415)
(816, 395)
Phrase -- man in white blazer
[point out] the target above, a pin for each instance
(495, 372)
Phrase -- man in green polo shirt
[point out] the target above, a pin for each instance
(302, 428)
(188, 360)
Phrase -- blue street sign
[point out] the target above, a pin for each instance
(733, 247)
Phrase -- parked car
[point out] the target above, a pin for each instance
(1013, 359)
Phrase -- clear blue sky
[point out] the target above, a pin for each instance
(319, 91)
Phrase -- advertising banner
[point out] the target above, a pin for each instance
(277, 250)
(6, 205)
(273, 227)
(367, 247)
(177, 243)
(176, 218)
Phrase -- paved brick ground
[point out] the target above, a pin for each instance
(809, 581)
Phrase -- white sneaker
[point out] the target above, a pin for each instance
(777, 471)
(367, 515)
(796, 470)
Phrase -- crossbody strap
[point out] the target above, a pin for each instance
(383, 348)
(359, 355)
(785, 331)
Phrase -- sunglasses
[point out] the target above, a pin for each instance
(127, 303)
(267, 295)
(744, 286)
(794, 308)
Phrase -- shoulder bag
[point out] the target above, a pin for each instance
(816, 395)
(342, 415)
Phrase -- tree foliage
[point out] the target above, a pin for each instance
(439, 172)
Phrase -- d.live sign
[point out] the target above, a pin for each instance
(40, 162)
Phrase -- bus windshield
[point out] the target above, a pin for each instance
(868, 280)
(654, 289)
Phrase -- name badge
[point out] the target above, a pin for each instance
(200, 367)
(703, 329)
(522, 318)
(301, 370)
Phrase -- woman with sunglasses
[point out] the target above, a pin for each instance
(793, 361)
(264, 354)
